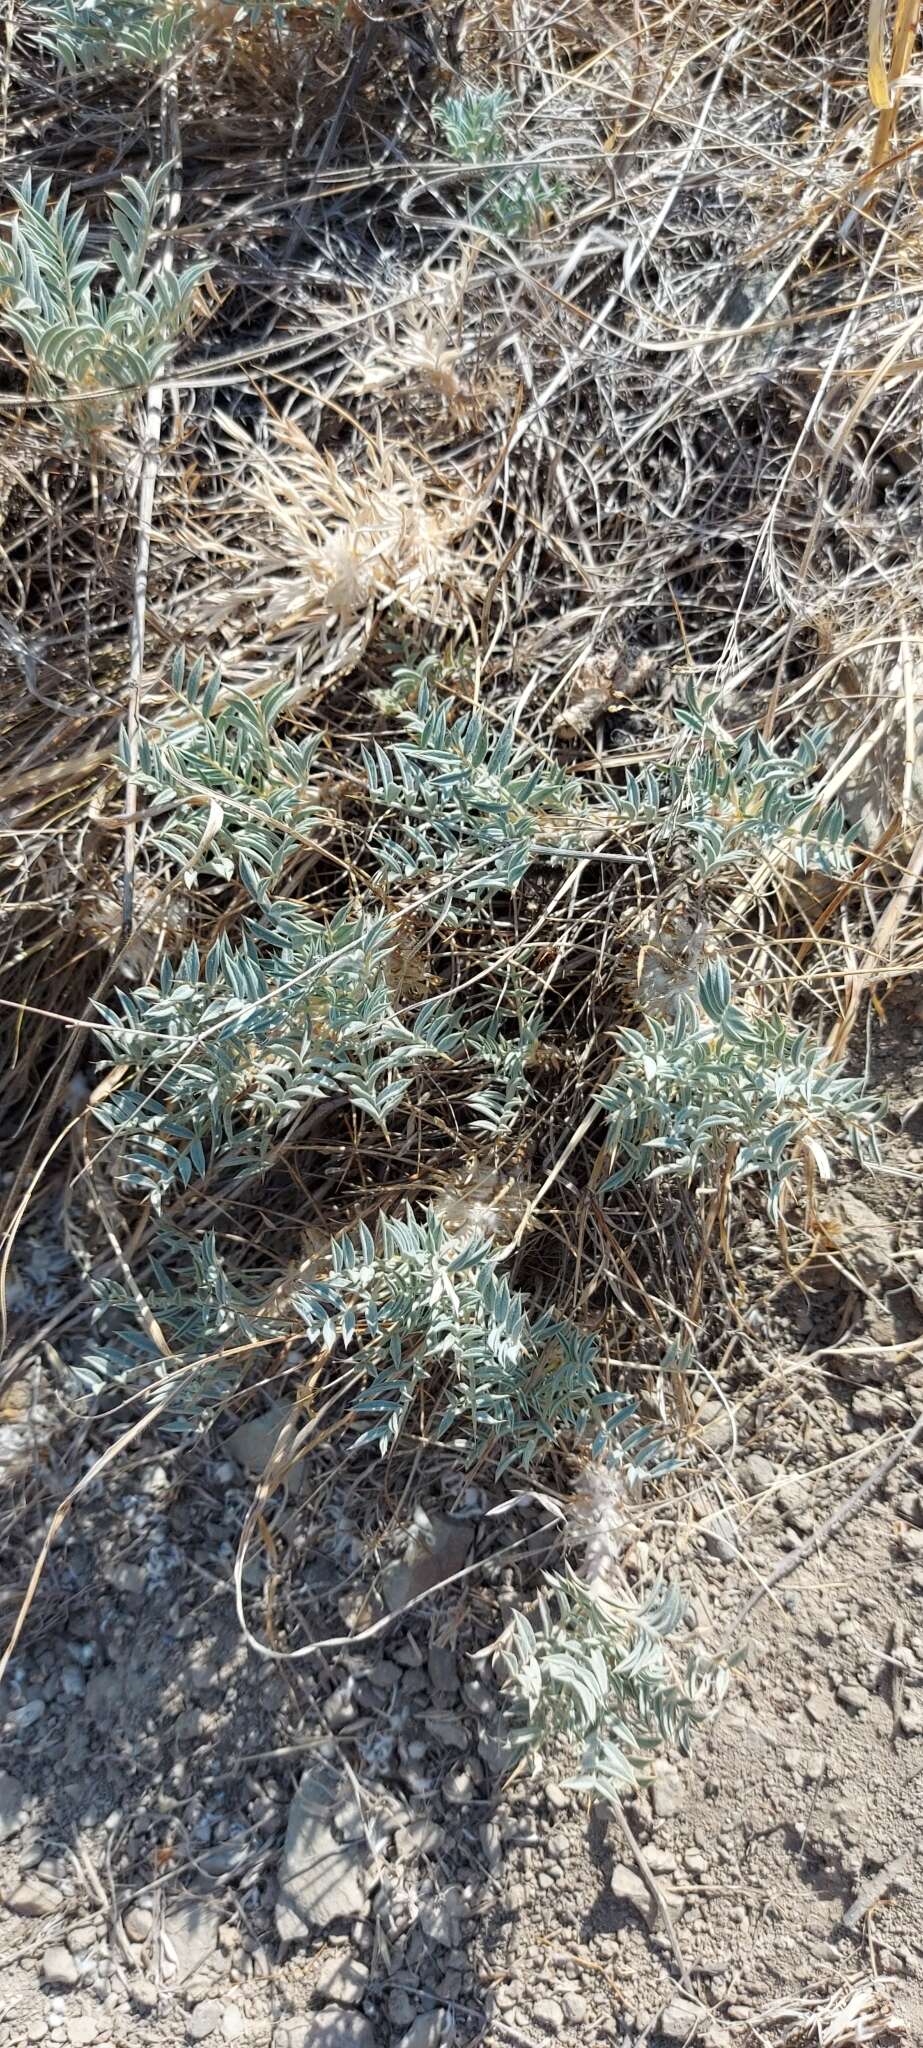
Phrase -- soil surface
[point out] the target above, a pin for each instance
(205, 1843)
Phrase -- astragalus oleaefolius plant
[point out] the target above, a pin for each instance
(454, 715)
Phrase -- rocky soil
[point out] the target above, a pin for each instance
(201, 1843)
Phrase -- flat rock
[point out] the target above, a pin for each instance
(137, 1922)
(204, 2020)
(629, 1886)
(680, 2021)
(12, 1806)
(441, 1918)
(668, 1793)
(321, 1879)
(442, 1666)
(438, 1551)
(59, 1969)
(82, 2031)
(446, 1729)
(192, 1931)
(335, 2027)
(251, 1445)
(423, 2032)
(759, 1473)
(33, 1899)
(343, 1981)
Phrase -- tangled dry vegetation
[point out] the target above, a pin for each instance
(461, 635)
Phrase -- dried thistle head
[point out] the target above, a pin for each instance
(418, 360)
(592, 691)
(599, 1523)
(482, 1202)
(330, 541)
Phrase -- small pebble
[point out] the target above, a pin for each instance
(138, 1922)
(424, 2032)
(34, 1898)
(59, 1969)
(342, 1981)
(82, 2030)
(204, 2020)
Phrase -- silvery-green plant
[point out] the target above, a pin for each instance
(110, 35)
(216, 1325)
(225, 1054)
(473, 809)
(429, 1323)
(595, 1674)
(720, 1085)
(467, 810)
(725, 803)
(475, 128)
(89, 350)
(434, 1324)
(230, 794)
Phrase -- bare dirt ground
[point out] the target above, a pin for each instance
(169, 1867)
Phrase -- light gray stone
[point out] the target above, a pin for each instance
(82, 2031)
(446, 1729)
(443, 1668)
(628, 1886)
(335, 2027)
(423, 2032)
(59, 1969)
(33, 1899)
(679, 2022)
(204, 2020)
(549, 2015)
(12, 1806)
(254, 1442)
(342, 1981)
(192, 1932)
(320, 1878)
(138, 1922)
(440, 1548)
(441, 1918)
(668, 1793)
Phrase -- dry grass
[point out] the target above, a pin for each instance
(672, 434)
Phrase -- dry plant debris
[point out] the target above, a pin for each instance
(460, 567)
